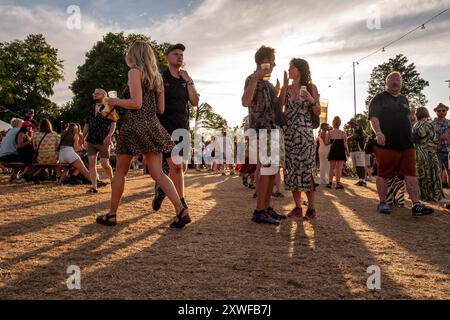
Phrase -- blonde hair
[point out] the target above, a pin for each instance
(141, 56)
(15, 122)
(337, 122)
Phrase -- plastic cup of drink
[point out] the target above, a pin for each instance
(302, 88)
(112, 94)
(266, 66)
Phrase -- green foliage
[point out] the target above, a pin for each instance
(206, 118)
(362, 120)
(413, 84)
(105, 67)
(29, 70)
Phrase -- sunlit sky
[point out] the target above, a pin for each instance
(221, 37)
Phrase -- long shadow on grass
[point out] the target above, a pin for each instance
(223, 255)
(418, 236)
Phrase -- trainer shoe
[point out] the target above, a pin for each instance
(310, 214)
(275, 215)
(383, 208)
(263, 218)
(421, 210)
(296, 213)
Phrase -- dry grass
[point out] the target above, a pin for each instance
(222, 255)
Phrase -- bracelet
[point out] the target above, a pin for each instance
(379, 133)
(190, 83)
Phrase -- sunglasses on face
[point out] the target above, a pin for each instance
(441, 111)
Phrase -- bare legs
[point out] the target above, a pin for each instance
(336, 170)
(93, 170)
(154, 164)
(176, 174)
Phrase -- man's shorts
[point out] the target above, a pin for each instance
(395, 162)
(358, 159)
(368, 160)
(443, 159)
(98, 149)
(277, 151)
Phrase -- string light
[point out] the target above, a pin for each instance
(383, 49)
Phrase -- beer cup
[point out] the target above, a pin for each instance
(266, 66)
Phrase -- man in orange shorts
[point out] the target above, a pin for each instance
(389, 115)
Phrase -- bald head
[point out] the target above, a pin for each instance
(394, 83)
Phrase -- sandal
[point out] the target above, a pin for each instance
(330, 185)
(106, 220)
(181, 221)
(339, 186)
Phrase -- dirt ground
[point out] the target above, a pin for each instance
(46, 228)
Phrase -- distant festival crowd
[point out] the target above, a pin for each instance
(404, 150)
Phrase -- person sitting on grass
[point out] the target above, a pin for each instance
(70, 140)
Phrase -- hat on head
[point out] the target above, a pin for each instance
(29, 111)
(27, 124)
(173, 47)
(441, 105)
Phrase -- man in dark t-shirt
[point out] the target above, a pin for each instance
(179, 91)
(389, 115)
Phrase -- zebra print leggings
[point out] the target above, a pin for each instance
(396, 192)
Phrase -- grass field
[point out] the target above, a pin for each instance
(46, 228)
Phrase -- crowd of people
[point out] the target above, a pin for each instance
(402, 148)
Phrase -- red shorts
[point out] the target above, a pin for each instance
(395, 162)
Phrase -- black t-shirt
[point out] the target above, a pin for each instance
(99, 126)
(393, 113)
(176, 110)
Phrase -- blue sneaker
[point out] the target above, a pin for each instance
(264, 218)
(383, 208)
(272, 213)
(420, 210)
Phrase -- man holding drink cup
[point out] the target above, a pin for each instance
(97, 134)
(260, 97)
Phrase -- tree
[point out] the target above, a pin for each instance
(413, 84)
(105, 67)
(206, 118)
(29, 70)
(362, 120)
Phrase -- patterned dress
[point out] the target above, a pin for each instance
(428, 167)
(299, 145)
(141, 131)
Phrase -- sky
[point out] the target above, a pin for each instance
(222, 36)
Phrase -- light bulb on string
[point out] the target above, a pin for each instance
(423, 27)
(383, 50)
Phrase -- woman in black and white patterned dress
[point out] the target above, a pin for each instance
(299, 100)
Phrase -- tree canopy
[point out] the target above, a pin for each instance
(413, 84)
(29, 70)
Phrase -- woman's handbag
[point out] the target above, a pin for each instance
(36, 152)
